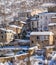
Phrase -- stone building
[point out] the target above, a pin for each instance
(41, 38)
(15, 28)
(6, 35)
(52, 28)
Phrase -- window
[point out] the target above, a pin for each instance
(15, 37)
(5, 31)
(37, 37)
(38, 16)
(2, 36)
(46, 38)
(32, 41)
(42, 38)
(1, 32)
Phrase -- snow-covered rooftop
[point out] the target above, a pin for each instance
(52, 24)
(11, 48)
(22, 22)
(15, 48)
(7, 57)
(14, 56)
(37, 58)
(15, 26)
(9, 54)
(7, 30)
(21, 54)
(48, 5)
(41, 33)
(47, 13)
(54, 17)
(34, 19)
(49, 47)
(31, 48)
(22, 41)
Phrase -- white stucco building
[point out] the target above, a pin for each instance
(44, 20)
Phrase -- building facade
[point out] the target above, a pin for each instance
(44, 20)
(15, 28)
(41, 38)
(6, 35)
(52, 9)
(52, 28)
(34, 24)
(53, 19)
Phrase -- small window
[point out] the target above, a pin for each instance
(15, 37)
(38, 16)
(5, 31)
(46, 37)
(1, 32)
(37, 37)
(32, 41)
(2, 36)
